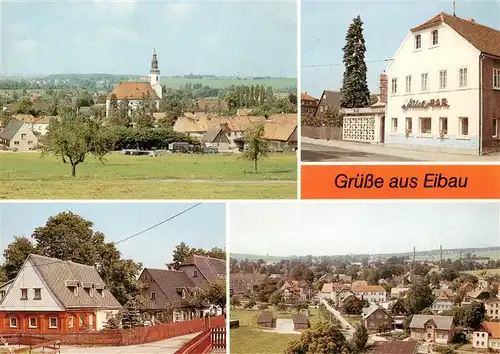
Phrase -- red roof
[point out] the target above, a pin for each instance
(134, 91)
(485, 39)
(306, 97)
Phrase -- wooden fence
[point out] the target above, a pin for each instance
(134, 336)
(211, 339)
(323, 133)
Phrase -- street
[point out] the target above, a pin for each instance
(323, 153)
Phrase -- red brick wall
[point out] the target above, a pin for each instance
(138, 335)
(491, 105)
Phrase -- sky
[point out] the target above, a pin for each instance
(223, 37)
(386, 25)
(340, 228)
(201, 227)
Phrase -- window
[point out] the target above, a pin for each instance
(494, 135)
(496, 79)
(71, 322)
(91, 320)
(24, 294)
(464, 126)
(394, 125)
(2, 294)
(482, 335)
(33, 322)
(462, 81)
(13, 322)
(394, 85)
(53, 322)
(16, 142)
(100, 292)
(195, 273)
(408, 125)
(443, 126)
(30, 142)
(424, 83)
(23, 136)
(153, 295)
(82, 320)
(425, 125)
(408, 83)
(74, 290)
(418, 41)
(183, 294)
(38, 294)
(443, 79)
(435, 37)
(89, 292)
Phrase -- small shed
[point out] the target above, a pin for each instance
(216, 137)
(266, 319)
(300, 321)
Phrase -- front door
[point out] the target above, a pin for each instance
(382, 129)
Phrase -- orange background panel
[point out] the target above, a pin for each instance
(319, 182)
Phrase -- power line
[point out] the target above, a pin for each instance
(131, 236)
(338, 64)
(160, 223)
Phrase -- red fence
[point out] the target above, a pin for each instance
(138, 335)
(206, 341)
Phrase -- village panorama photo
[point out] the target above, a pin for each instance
(83, 278)
(148, 100)
(364, 277)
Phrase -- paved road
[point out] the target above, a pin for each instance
(348, 329)
(323, 153)
(167, 346)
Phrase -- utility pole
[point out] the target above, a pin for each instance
(454, 8)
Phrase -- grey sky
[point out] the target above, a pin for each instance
(330, 228)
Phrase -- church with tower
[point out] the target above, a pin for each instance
(136, 91)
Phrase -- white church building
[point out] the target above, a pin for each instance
(135, 91)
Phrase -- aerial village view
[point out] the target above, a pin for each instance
(364, 277)
(422, 86)
(112, 278)
(147, 94)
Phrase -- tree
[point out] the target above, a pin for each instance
(275, 298)
(321, 338)
(352, 306)
(355, 93)
(473, 315)
(419, 297)
(15, 254)
(235, 302)
(301, 305)
(215, 292)
(24, 106)
(360, 338)
(181, 252)
(256, 144)
(75, 137)
(114, 322)
(250, 304)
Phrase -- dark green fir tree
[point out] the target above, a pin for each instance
(355, 93)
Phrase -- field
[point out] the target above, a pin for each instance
(276, 84)
(481, 271)
(172, 176)
(249, 339)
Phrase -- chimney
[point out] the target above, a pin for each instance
(472, 20)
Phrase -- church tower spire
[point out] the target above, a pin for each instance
(154, 75)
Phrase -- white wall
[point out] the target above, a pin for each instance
(102, 317)
(480, 340)
(451, 54)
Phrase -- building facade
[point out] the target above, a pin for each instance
(18, 136)
(443, 101)
(434, 329)
(49, 295)
(370, 293)
(487, 336)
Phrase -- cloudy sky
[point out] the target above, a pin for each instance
(333, 228)
(386, 24)
(224, 37)
(201, 227)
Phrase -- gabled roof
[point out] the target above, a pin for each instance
(369, 288)
(394, 347)
(492, 328)
(209, 267)
(279, 131)
(307, 97)
(485, 39)
(134, 91)
(442, 322)
(55, 273)
(372, 309)
(211, 135)
(11, 129)
(300, 319)
(169, 281)
(265, 317)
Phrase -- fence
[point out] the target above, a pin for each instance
(137, 335)
(323, 133)
(206, 341)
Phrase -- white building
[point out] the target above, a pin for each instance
(487, 336)
(371, 293)
(444, 88)
(135, 92)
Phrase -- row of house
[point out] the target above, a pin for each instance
(227, 133)
(430, 99)
(53, 296)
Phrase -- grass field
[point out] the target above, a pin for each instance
(248, 339)
(173, 176)
(481, 271)
(276, 84)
